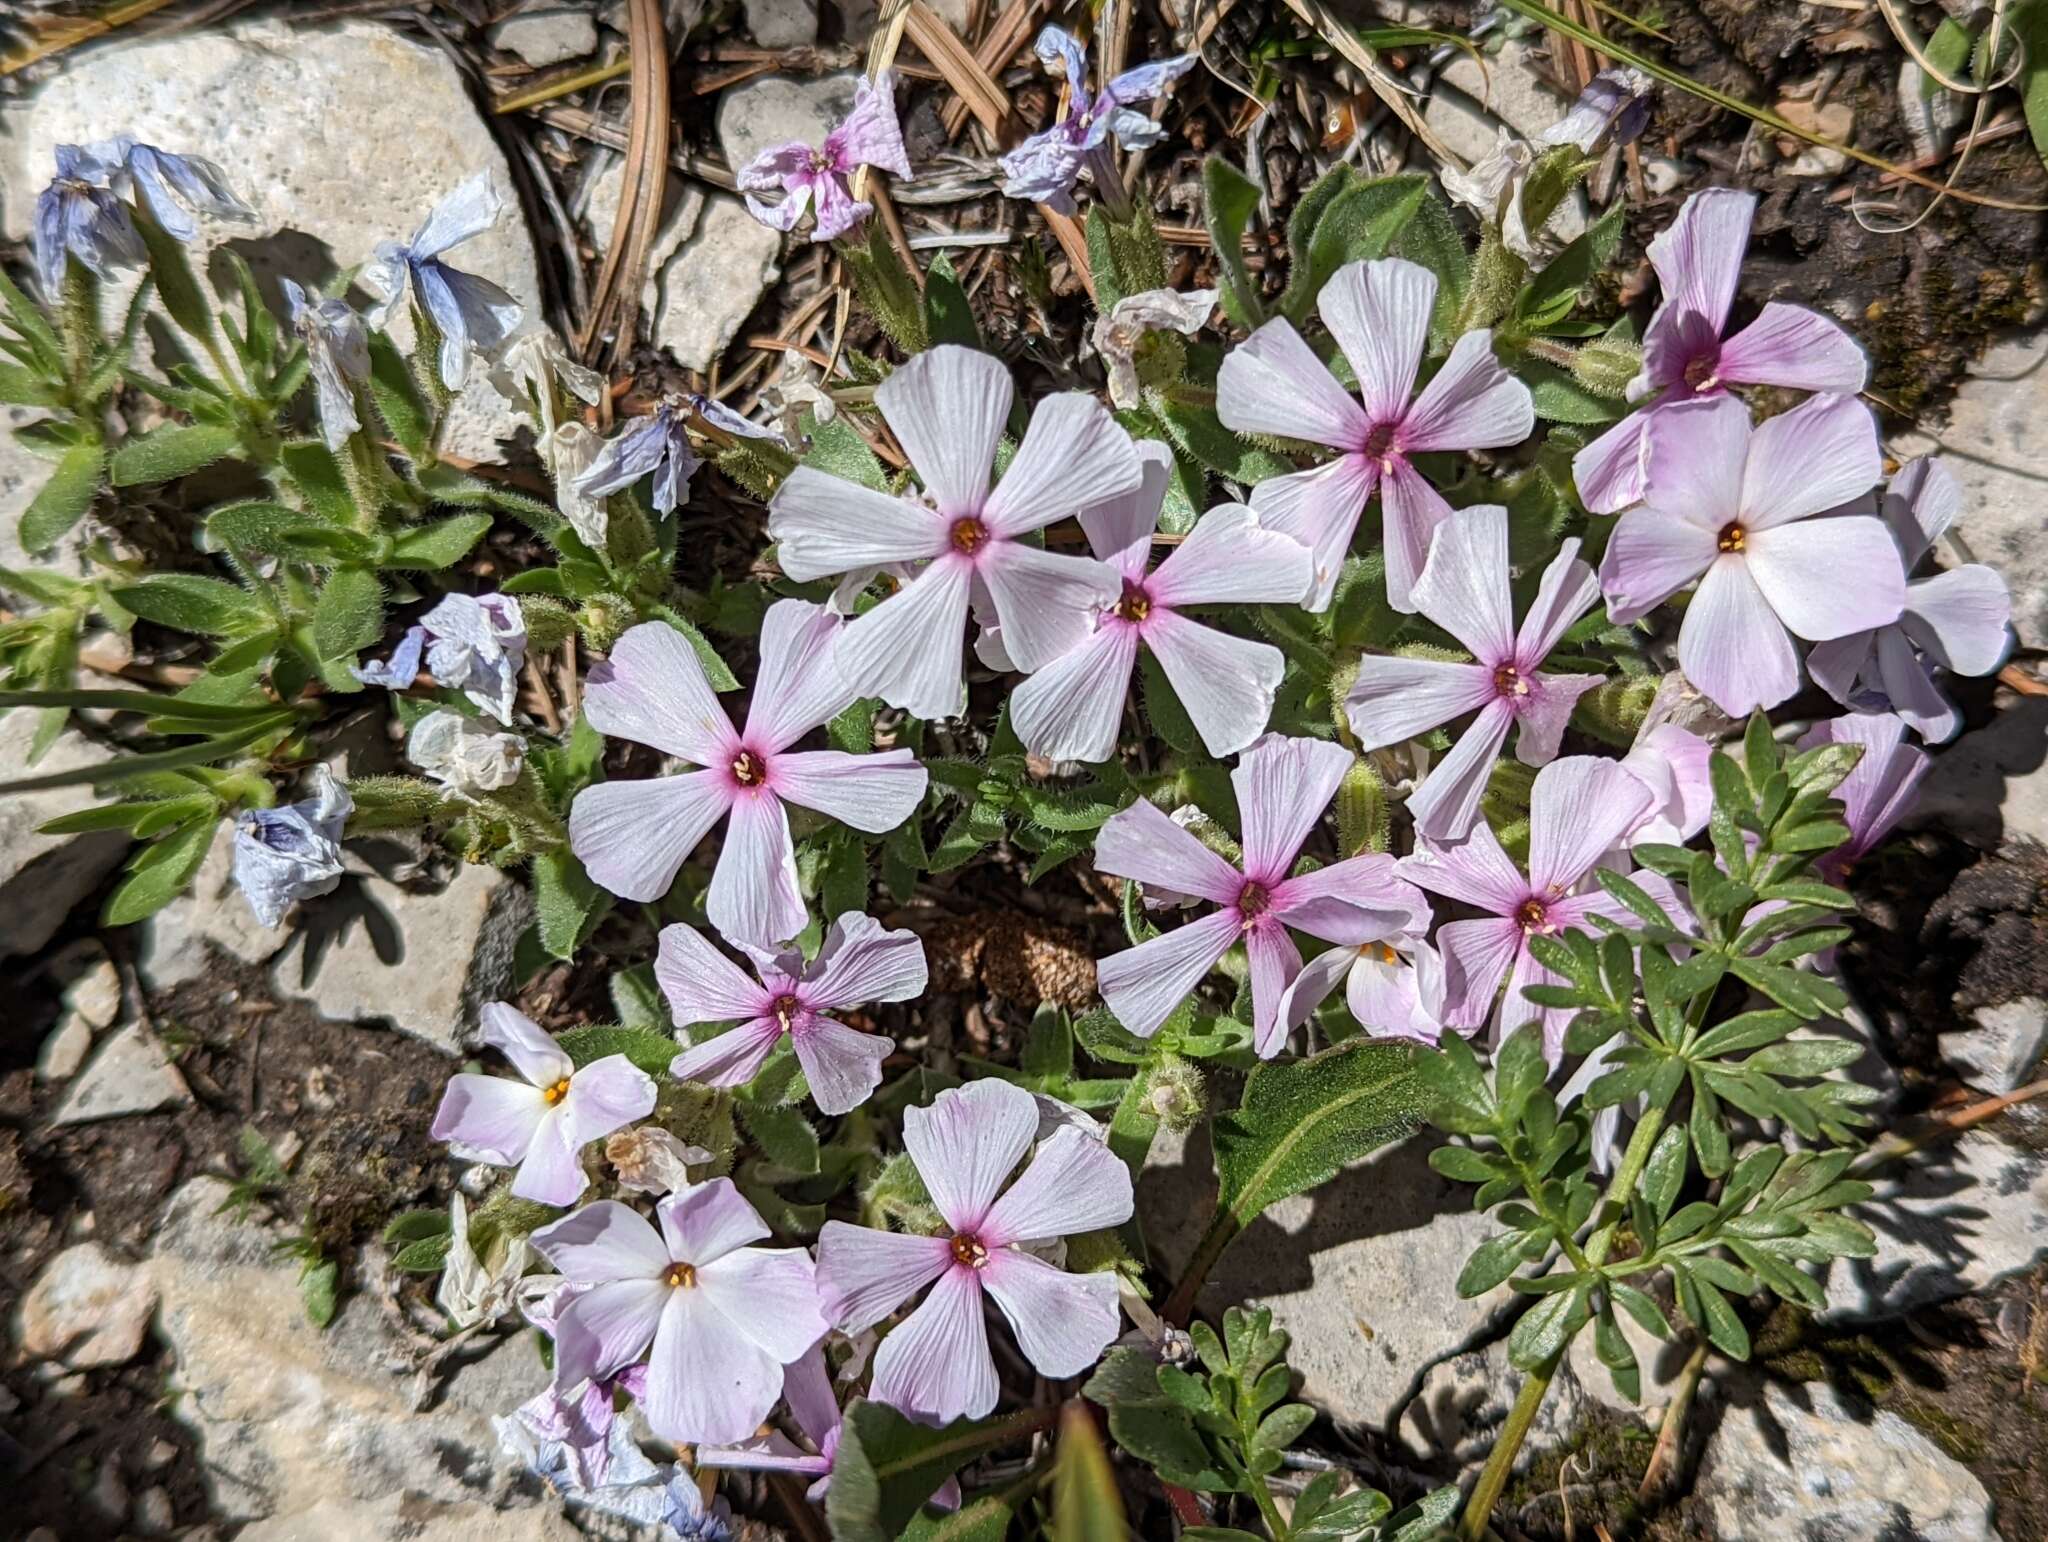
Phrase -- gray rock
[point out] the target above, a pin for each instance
(177, 940)
(1950, 1220)
(773, 110)
(1993, 445)
(1464, 1401)
(783, 23)
(426, 963)
(154, 1516)
(714, 281)
(314, 1433)
(1991, 786)
(2002, 1051)
(301, 118)
(1508, 91)
(64, 1051)
(87, 1308)
(545, 35)
(1811, 1466)
(43, 876)
(129, 1075)
(96, 995)
(1359, 1272)
(1659, 1363)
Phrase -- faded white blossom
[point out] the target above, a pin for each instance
(1118, 334)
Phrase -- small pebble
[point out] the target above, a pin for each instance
(153, 1513)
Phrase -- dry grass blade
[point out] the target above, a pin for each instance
(990, 104)
(615, 304)
(997, 48)
(561, 85)
(1338, 33)
(71, 32)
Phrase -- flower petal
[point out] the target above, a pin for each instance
(1283, 786)
(1579, 810)
(1908, 678)
(606, 1327)
(1477, 956)
(1962, 617)
(1141, 986)
(531, 1048)
(1141, 842)
(1063, 1321)
(870, 134)
(730, 1059)
(632, 837)
(606, 1095)
(1319, 509)
(1231, 557)
(492, 1117)
(1732, 645)
(1546, 712)
(1694, 464)
(1816, 457)
(823, 525)
(935, 1365)
(1312, 986)
(1410, 513)
(947, 407)
(1045, 601)
(864, 1274)
(1273, 383)
(798, 685)
(703, 985)
(907, 649)
(706, 1221)
(1789, 345)
(875, 793)
(754, 895)
(842, 1064)
(1447, 802)
(1567, 590)
(705, 1381)
(1464, 583)
(770, 1295)
(1829, 577)
(1074, 456)
(1361, 899)
(861, 962)
(1120, 529)
(1379, 313)
(1395, 698)
(1275, 961)
(603, 1242)
(651, 690)
(1471, 403)
(1226, 684)
(966, 1143)
(1074, 1184)
(1651, 556)
(1071, 708)
(1698, 256)
(469, 210)
(1610, 472)
(1476, 871)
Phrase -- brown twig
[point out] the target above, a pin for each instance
(615, 300)
(1671, 1430)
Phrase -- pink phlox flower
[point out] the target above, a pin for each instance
(1283, 786)
(1070, 709)
(1274, 384)
(1731, 507)
(1958, 620)
(1045, 167)
(1698, 258)
(1880, 791)
(935, 1364)
(1671, 762)
(1393, 986)
(820, 178)
(1580, 808)
(541, 1124)
(1464, 590)
(858, 963)
(632, 837)
(722, 1317)
(948, 406)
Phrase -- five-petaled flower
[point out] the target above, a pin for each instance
(283, 855)
(947, 407)
(1044, 167)
(1698, 258)
(632, 836)
(820, 178)
(1071, 708)
(1464, 590)
(475, 644)
(1580, 808)
(936, 1364)
(467, 310)
(1879, 791)
(1282, 785)
(858, 962)
(656, 445)
(337, 354)
(1958, 620)
(723, 1317)
(1393, 985)
(1731, 506)
(1274, 384)
(542, 1124)
(79, 215)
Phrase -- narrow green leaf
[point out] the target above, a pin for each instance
(1229, 200)
(62, 501)
(349, 615)
(440, 544)
(175, 450)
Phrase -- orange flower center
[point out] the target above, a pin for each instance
(969, 535)
(968, 1250)
(556, 1093)
(1733, 538)
(749, 769)
(680, 1276)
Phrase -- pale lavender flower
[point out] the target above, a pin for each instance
(1958, 620)
(463, 755)
(1282, 786)
(540, 1125)
(690, 1516)
(947, 407)
(724, 418)
(1698, 259)
(1882, 788)
(633, 836)
(1579, 809)
(820, 179)
(1070, 709)
(283, 855)
(723, 1318)
(656, 446)
(858, 963)
(1044, 167)
(1393, 986)
(1613, 109)
(935, 1364)
(337, 354)
(1731, 508)
(79, 215)
(1274, 384)
(472, 644)
(584, 1452)
(178, 187)
(1672, 762)
(468, 310)
(650, 1160)
(1464, 590)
